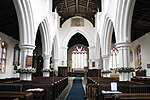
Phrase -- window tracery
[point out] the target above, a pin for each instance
(3, 55)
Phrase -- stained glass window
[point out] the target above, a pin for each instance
(113, 58)
(16, 58)
(3, 55)
(139, 63)
(79, 57)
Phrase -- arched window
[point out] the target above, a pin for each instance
(138, 56)
(113, 58)
(16, 58)
(79, 57)
(3, 54)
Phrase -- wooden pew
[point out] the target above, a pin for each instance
(11, 87)
(91, 91)
(53, 86)
(123, 86)
(131, 96)
(145, 80)
(142, 88)
(7, 80)
(6, 95)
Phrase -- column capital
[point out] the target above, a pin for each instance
(46, 56)
(107, 56)
(27, 46)
(123, 44)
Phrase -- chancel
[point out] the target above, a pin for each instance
(74, 49)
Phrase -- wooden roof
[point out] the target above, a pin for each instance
(70, 8)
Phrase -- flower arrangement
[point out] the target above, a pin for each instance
(46, 70)
(26, 70)
(125, 69)
(139, 69)
(106, 71)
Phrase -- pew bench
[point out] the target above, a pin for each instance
(107, 95)
(11, 87)
(6, 95)
(131, 96)
(139, 89)
(38, 93)
(91, 91)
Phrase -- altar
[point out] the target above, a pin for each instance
(78, 72)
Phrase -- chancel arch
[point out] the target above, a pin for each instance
(67, 38)
(77, 54)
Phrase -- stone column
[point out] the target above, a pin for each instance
(124, 59)
(97, 62)
(64, 56)
(91, 56)
(46, 65)
(26, 51)
(55, 60)
(106, 65)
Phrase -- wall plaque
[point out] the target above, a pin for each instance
(29, 61)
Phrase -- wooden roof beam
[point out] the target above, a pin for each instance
(77, 6)
(87, 6)
(66, 6)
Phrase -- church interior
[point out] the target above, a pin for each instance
(74, 50)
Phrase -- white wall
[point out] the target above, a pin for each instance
(144, 41)
(10, 54)
(66, 32)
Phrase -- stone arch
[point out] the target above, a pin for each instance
(107, 36)
(46, 44)
(106, 41)
(27, 29)
(25, 21)
(123, 20)
(84, 33)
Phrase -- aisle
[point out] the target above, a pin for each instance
(77, 91)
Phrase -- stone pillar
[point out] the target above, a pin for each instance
(124, 59)
(26, 51)
(106, 65)
(64, 56)
(97, 62)
(105, 62)
(46, 64)
(56, 66)
(91, 56)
